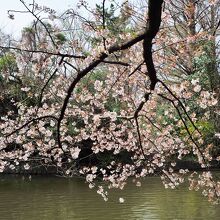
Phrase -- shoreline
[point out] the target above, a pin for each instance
(52, 171)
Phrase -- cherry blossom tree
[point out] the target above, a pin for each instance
(115, 94)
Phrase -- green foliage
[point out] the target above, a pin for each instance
(8, 63)
(111, 20)
(60, 37)
(89, 81)
(28, 30)
(206, 65)
(205, 127)
(114, 23)
(113, 104)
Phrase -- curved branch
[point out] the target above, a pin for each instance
(153, 25)
(45, 52)
(30, 122)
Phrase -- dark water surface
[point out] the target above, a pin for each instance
(53, 198)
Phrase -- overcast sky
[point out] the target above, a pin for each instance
(15, 26)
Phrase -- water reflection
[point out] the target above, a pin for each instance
(51, 198)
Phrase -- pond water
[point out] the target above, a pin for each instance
(54, 198)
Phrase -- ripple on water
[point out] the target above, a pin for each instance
(50, 198)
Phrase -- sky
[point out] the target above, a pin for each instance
(14, 27)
